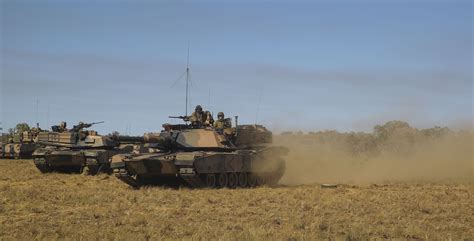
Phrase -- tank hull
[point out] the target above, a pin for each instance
(242, 168)
(18, 150)
(89, 161)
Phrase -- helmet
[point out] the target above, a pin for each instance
(63, 124)
(198, 108)
(220, 114)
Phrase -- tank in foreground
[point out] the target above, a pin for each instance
(204, 157)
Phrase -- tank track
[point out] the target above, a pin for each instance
(42, 165)
(190, 178)
(250, 180)
(193, 180)
(23, 155)
(124, 176)
(91, 167)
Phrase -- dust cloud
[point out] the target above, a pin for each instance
(394, 152)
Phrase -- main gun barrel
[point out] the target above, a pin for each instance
(132, 139)
(147, 138)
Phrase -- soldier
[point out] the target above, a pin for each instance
(80, 126)
(62, 127)
(209, 121)
(221, 122)
(200, 118)
(83, 125)
(198, 115)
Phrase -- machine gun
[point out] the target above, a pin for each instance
(194, 123)
(82, 125)
(185, 118)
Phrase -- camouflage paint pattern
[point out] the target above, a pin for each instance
(77, 151)
(200, 157)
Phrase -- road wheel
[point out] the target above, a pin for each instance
(86, 171)
(222, 180)
(252, 180)
(260, 181)
(42, 165)
(243, 179)
(17, 151)
(94, 170)
(211, 180)
(233, 180)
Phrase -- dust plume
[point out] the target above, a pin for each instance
(394, 152)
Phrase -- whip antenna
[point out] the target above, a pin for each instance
(258, 105)
(37, 123)
(187, 82)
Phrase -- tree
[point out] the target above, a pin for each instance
(21, 127)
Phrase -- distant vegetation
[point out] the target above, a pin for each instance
(392, 137)
(19, 128)
(394, 151)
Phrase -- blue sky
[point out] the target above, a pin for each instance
(290, 65)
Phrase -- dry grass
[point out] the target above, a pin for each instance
(61, 206)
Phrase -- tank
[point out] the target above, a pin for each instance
(242, 156)
(21, 145)
(77, 151)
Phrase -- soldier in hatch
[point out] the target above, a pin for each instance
(197, 116)
(81, 126)
(62, 127)
(200, 118)
(221, 122)
(209, 121)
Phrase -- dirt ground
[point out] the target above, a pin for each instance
(65, 206)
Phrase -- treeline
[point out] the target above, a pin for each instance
(392, 137)
(19, 128)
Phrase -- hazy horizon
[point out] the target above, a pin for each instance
(343, 65)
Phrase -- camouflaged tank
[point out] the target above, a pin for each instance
(204, 157)
(77, 150)
(21, 145)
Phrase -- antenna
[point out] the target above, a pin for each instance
(37, 123)
(126, 128)
(209, 100)
(187, 82)
(47, 115)
(258, 105)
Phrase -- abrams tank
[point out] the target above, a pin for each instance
(21, 145)
(77, 150)
(204, 157)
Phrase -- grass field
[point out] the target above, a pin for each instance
(62, 206)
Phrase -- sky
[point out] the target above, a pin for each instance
(289, 65)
